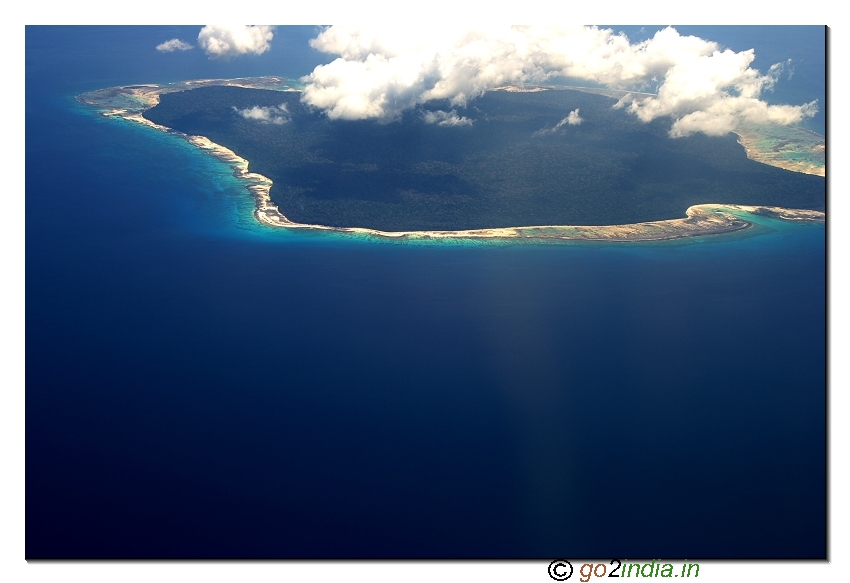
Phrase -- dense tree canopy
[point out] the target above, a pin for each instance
(510, 167)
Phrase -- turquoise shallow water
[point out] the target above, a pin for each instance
(224, 207)
(199, 385)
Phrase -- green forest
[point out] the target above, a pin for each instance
(511, 167)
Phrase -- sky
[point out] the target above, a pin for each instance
(372, 11)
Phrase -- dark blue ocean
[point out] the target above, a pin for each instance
(198, 385)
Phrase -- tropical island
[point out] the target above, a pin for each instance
(538, 162)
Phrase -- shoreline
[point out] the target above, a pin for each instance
(749, 141)
(699, 220)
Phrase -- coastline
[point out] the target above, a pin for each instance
(131, 101)
(776, 154)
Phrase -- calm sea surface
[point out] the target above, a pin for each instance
(198, 385)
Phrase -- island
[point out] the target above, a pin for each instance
(514, 163)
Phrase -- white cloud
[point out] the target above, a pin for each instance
(715, 93)
(777, 69)
(172, 45)
(572, 119)
(446, 118)
(222, 41)
(381, 72)
(276, 115)
(726, 115)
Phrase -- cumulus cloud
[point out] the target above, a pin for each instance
(276, 115)
(172, 45)
(221, 41)
(446, 118)
(380, 72)
(726, 115)
(572, 119)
